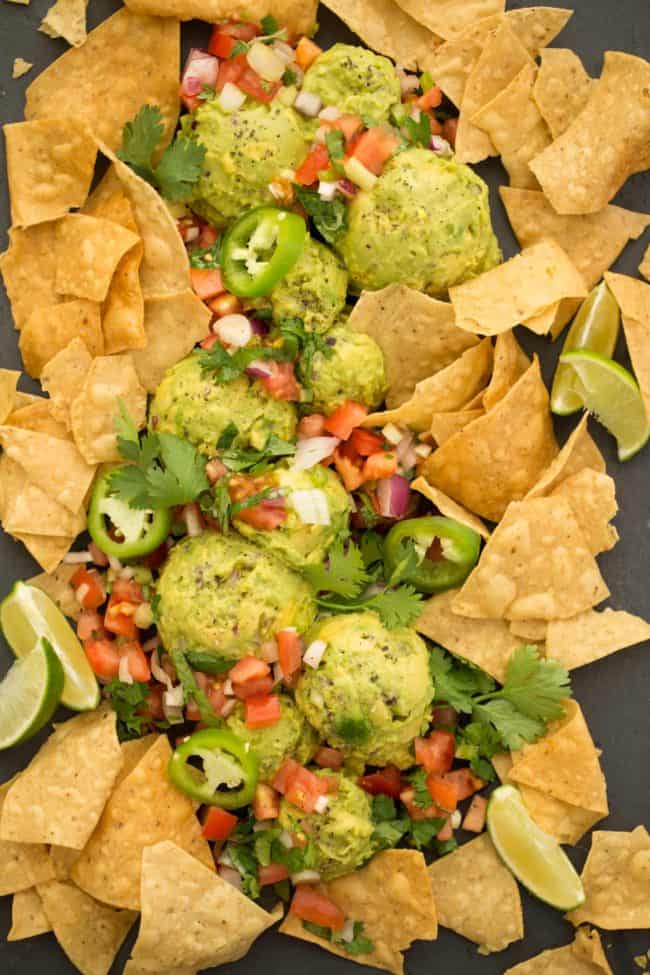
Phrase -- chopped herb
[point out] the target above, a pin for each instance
(289, 77)
(127, 700)
(424, 831)
(269, 25)
(418, 130)
(344, 573)
(299, 343)
(208, 663)
(330, 217)
(422, 796)
(206, 257)
(179, 167)
(366, 510)
(245, 862)
(192, 690)
(228, 436)
(227, 366)
(426, 81)
(206, 93)
(372, 549)
(335, 142)
(241, 47)
(256, 461)
(359, 945)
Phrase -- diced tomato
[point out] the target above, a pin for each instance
(475, 816)
(262, 711)
(217, 698)
(207, 282)
(221, 44)
(118, 618)
(385, 782)
(309, 905)
(442, 792)
(343, 420)
(288, 768)
(248, 668)
(407, 796)
(317, 160)
(289, 651)
(449, 130)
(349, 125)
(209, 341)
(189, 228)
(127, 591)
(282, 384)
(103, 657)
(266, 803)
(273, 874)
(253, 688)
(350, 471)
(447, 832)
(138, 661)
(312, 425)
(431, 99)
(465, 782)
(231, 71)
(435, 127)
(264, 517)
(306, 53)
(90, 623)
(218, 823)
(329, 758)
(262, 91)
(208, 235)
(239, 30)
(153, 706)
(436, 753)
(379, 466)
(444, 715)
(304, 789)
(365, 442)
(93, 587)
(374, 148)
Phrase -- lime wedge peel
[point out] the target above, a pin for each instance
(26, 615)
(29, 694)
(535, 858)
(612, 394)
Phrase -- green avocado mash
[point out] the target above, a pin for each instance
(371, 693)
(342, 834)
(355, 370)
(314, 290)
(425, 223)
(193, 405)
(225, 596)
(290, 737)
(355, 81)
(297, 543)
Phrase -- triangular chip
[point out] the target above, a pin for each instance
(88, 250)
(531, 630)
(615, 878)
(417, 334)
(448, 18)
(298, 16)
(445, 425)
(27, 508)
(510, 363)
(20, 67)
(644, 266)
(585, 956)
(66, 19)
(8, 380)
(392, 898)
(111, 380)
(449, 508)
(633, 298)
(63, 377)
(562, 88)
(173, 324)
(127, 61)
(566, 822)
(594, 635)
(592, 498)
(50, 328)
(477, 896)
(63, 859)
(38, 417)
(190, 916)
(110, 866)
(28, 919)
(48, 552)
(497, 459)
(65, 479)
(386, 28)
(29, 270)
(579, 452)
(21, 864)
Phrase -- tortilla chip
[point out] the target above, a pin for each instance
(566, 822)
(20, 67)
(27, 508)
(132, 754)
(38, 417)
(50, 166)
(445, 425)
(63, 378)
(644, 266)
(502, 58)
(298, 16)
(510, 363)
(21, 864)
(47, 551)
(449, 508)
(173, 324)
(592, 242)
(110, 865)
(109, 380)
(57, 586)
(28, 918)
(579, 452)
(449, 18)
(583, 169)
(477, 896)
(66, 19)
(386, 28)
(593, 635)
(584, 957)
(63, 859)
(497, 459)
(533, 631)
(513, 123)
(392, 898)
(615, 879)
(633, 297)
(445, 392)
(8, 382)
(88, 250)
(515, 292)
(488, 644)
(592, 498)
(416, 333)
(28, 269)
(50, 328)
(90, 933)
(60, 795)
(125, 62)
(56, 466)
(562, 88)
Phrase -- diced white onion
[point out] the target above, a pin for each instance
(115, 563)
(392, 433)
(192, 521)
(358, 174)
(314, 653)
(234, 330)
(312, 450)
(409, 82)
(231, 97)
(159, 671)
(441, 147)
(286, 839)
(267, 62)
(225, 860)
(321, 804)
(311, 506)
(174, 697)
(305, 877)
(124, 674)
(284, 51)
(423, 449)
(328, 189)
(277, 190)
(329, 114)
(232, 877)
(227, 688)
(347, 931)
(81, 593)
(228, 707)
(77, 558)
(456, 819)
(308, 104)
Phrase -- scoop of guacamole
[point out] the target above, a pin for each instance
(371, 694)
(355, 81)
(354, 370)
(342, 835)
(223, 595)
(246, 150)
(295, 542)
(193, 405)
(290, 737)
(314, 290)
(425, 223)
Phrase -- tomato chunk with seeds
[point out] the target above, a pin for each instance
(309, 905)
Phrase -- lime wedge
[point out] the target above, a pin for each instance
(26, 615)
(535, 858)
(612, 394)
(29, 694)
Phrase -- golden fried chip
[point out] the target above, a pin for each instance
(38, 416)
(47, 551)
(448, 18)
(88, 250)
(63, 378)
(173, 324)
(497, 459)
(532, 630)
(56, 466)
(20, 67)
(132, 754)
(616, 878)
(109, 380)
(510, 363)
(50, 328)
(583, 169)
(57, 586)
(578, 453)
(298, 16)
(392, 898)
(593, 635)
(445, 425)
(566, 822)
(110, 865)
(477, 896)
(592, 498)
(644, 266)
(50, 164)
(125, 62)
(515, 292)
(585, 956)
(21, 864)
(633, 297)
(29, 270)
(27, 508)
(449, 508)
(385, 27)
(66, 19)
(63, 859)
(8, 382)
(562, 88)
(61, 794)
(28, 918)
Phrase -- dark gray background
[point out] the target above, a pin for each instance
(614, 693)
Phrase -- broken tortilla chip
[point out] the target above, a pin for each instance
(579, 452)
(582, 170)
(173, 324)
(592, 498)
(566, 822)
(585, 956)
(27, 508)
(88, 250)
(63, 378)
(298, 16)
(477, 896)
(110, 380)
(21, 864)
(63, 858)
(449, 508)
(448, 18)
(54, 465)
(445, 425)
(57, 586)
(615, 878)
(386, 28)
(416, 333)
(593, 635)
(510, 363)
(66, 19)
(633, 297)
(562, 88)
(28, 918)
(644, 266)
(38, 417)
(20, 67)
(50, 328)
(29, 270)
(8, 382)
(532, 630)
(47, 551)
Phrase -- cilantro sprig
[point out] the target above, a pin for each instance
(179, 166)
(248, 459)
(330, 217)
(358, 945)
(129, 701)
(228, 366)
(206, 257)
(300, 344)
(418, 130)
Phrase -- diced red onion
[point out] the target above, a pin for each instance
(228, 708)
(408, 82)
(305, 877)
(227, 688)
(405, 452)
(200, 71)
(312, 450)
(441, 147)
(308, 104)
(77, 558)
(278, 502)
(258, 326)
(153, 643)
(260, 369)
(329, 114)
(231, 876)
(444, 715)
(314, 653)
(234, 330)
(328, 189)
(393, 495)
(347, 932)
(124, 674)
(347, 188)
(231, 98)
(311, 507)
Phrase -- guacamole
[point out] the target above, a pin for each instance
(193, 405)
(343, 834)
(246, 150)
(355, 370)
(223, 595)
(371, 694)
(314, 290)
(425, 223)
(355, 81)
(294, 541)
(290, 737)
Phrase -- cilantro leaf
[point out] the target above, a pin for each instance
(208, 663)
(407, 561)
(353, 731)
(180, 164)
(289, 78)
(227, 366)
(344, 573)
(422, 796)
(228, 436)
(140, 138)
(126, 699)
(335, 142)
(424, 831)
(330, 217)
(383, 808)
(536, 686)
(299, 343)
(241, 47)
(513, 727)
(245, 862)
(372, 549)
(145, 483)
(269, 25)
(477, 742)
(255, 461)
(191, 690)
(419, 130)
(179, 168)
(206, 257)
(359, 945)
(397, 607)
(456, 683)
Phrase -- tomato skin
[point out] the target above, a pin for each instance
(343, 420)
(386, 782)
(120, 623)
(309, 905)
(263, 517)
(465, 782)
(272, 874)
(139, 668)
(374, 148)
(317, 160)
(379, 466)
(262, 710)
(103, 657)
(349, 470)
(207, 283)
(282, 384)
(220, 44)
(431, 99)
(253, 688)
(304, 789)
(127, 591)
(288, 768)
(89, 623)
(365, 442)
(443, 792)
(218, 823)
(436, 753)
(289, 651)
(153, 706)
(266, 804)
(248, 668)
(329, 758)
(96, 592)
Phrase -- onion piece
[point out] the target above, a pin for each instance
(77, 558)
(305, 877)
(393, 495)
(348, 189)
(405, 452)
(328, 189)
(124, 674)
(159, 671)
(408, 82)
(227, 688)
(200, 71)
(267, 62)
(314, 653)
(269, 652)
(278, 673)
(286, 839)
(224, 859)
(234, 330)
(329, 114)
(258, 327)
(456, 819)
(308, 104)
(193, 520)
(82, 592)
(231, 97)
(231, 876)
(228, 708)
(423, 449)
(393, 434)
(260, 369)
(347, 931)
(115, 563)
(311, 506)
(284, 51)
(312, 450)
(321, 804)
(441, 147)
